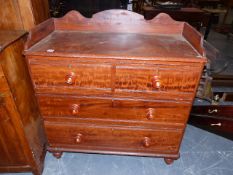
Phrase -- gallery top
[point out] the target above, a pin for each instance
(116, 34)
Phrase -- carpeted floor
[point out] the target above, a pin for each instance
(202, 153)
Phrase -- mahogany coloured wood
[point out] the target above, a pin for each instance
(168, 161)
(117, 139)
(22, 138)
(9, 139)
(115, 83)
(22, 14)
(112, 109)
(70, 77)
(108, 44)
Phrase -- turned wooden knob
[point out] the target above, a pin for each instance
(146, 142)
(156, 82)
(78, 138)
(70, 78)
(150, 113)
(75, 109)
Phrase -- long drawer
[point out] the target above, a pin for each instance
(158, 81)
(113, 109)
(95, 137)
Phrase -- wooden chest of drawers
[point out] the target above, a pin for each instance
(115, 83)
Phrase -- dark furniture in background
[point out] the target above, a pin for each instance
(87, 8)
(213, 118)
(216, 114)
(90, 7)
(194, 16)
(208, 3)
(22, 138)
(115, 83)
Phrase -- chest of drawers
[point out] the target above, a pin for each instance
(115, 83)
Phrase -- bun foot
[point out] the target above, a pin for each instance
(57, 154)
(168, 161)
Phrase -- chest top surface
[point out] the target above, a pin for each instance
(114, 44)
(116, 34)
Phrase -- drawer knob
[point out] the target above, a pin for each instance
(156, 82)
(150, 113)
(75, 109)
(78, 138)
(70, 78)
(146, 142)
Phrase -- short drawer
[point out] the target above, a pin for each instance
(96, 137)
(113, 109)
(67, 77)
(159, 78)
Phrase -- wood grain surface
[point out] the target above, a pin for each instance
(112, 109)
(115, 83)
(94, 137)
(22, 141)
(22, 14)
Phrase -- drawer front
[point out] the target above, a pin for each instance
(225, 112)
(98, 137)
(113, 110)
(217, 125)
(66, 77)
(156, 79)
